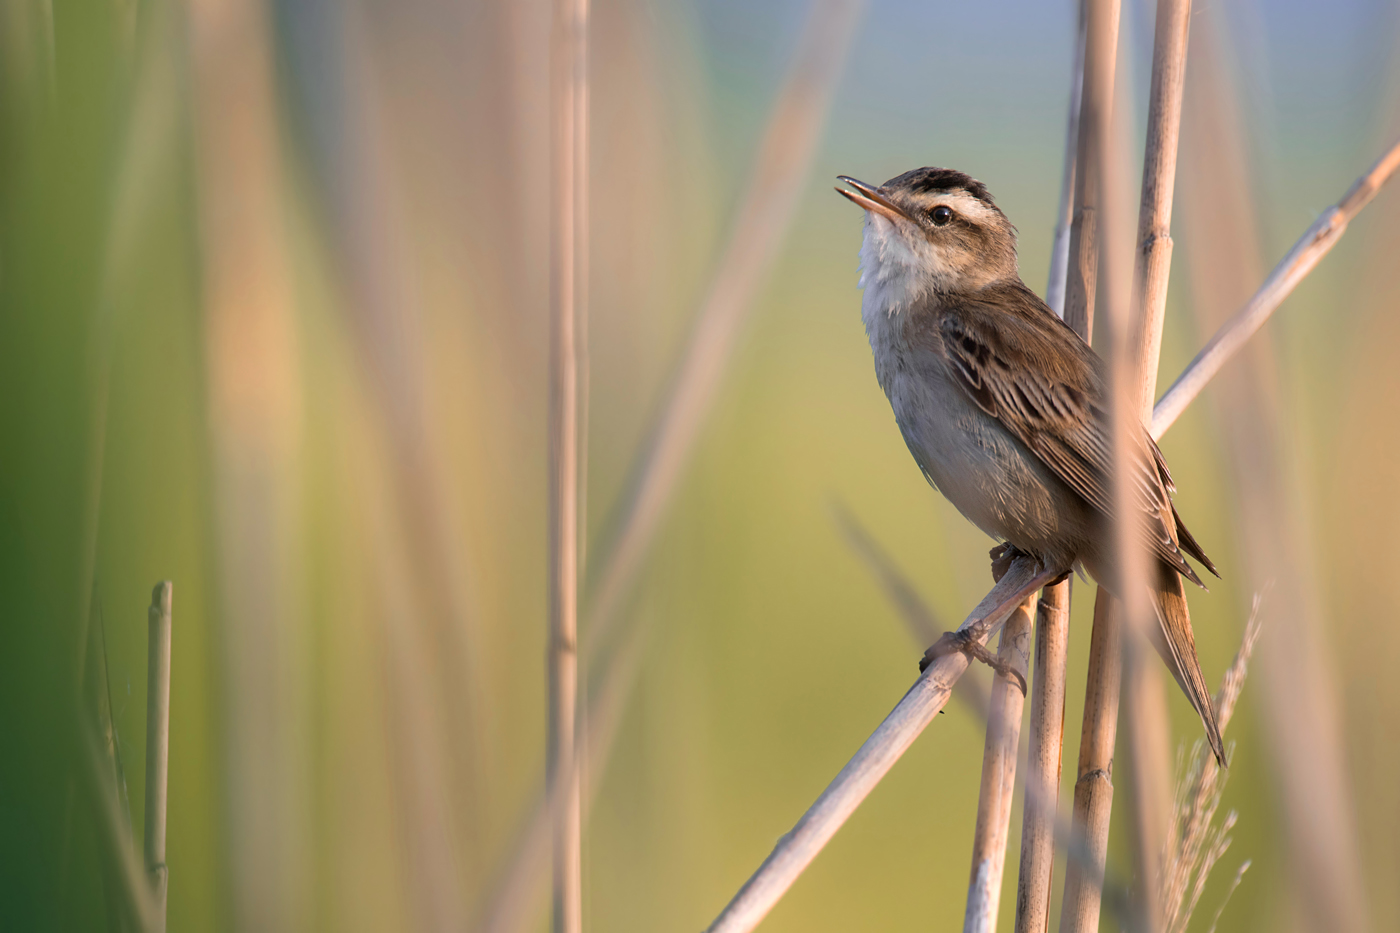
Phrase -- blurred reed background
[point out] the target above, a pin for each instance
(273, 325)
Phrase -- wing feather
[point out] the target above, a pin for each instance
(1046, 387)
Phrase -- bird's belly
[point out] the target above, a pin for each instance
(988, 475)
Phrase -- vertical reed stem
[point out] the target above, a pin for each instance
(157, 745)
(1093, 789)
(1136, 372)
(1096, 104)
(998, 777)
(1052, 612)
(568, 249)
(1047, 725)
(1153, 261)
(1059, 250)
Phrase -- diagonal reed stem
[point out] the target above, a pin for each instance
(795, 851)
(924, 628)
(1317, 241)
(133, 891)
(765, 213)
(1084, 889)
(568, 237)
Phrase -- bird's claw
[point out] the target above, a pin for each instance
(960, 641)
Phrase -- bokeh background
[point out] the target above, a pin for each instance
(273, 296)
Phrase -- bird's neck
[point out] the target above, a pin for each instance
(899, 272)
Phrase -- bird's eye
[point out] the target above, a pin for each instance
(941, 215)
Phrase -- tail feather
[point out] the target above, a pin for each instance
(1176, 644)
(1188, 543)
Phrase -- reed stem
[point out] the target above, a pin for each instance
(1059, 249)
(1047, 723)
(568, 242)
(998, 776)
(1135, 371)
(1084, 887)
(1093, 786)
(1044, 759)
(1096, 104)
(766, 209)
(1317, 241)
(795, 850)
(1093, 789)
(766, 213)
(157, 747)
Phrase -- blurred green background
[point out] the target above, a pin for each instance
(273, 288)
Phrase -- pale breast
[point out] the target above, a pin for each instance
(988, 475)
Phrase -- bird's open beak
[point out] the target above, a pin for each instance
(870, 198)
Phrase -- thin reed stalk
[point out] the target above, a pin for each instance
(1149, 766)
(1059, 249)
(999, 759)
(1084, 888)
(568, 250)
(1096, 105)
(1047, 721)
(795, 851)
(157, 746)
(517, 897)
(1044, 759)
(1135, 351)
(1317, 241)
(1153, 260)
(766, 210)
(924, 629)
(1093, 789)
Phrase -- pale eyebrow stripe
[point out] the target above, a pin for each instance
(962, 203)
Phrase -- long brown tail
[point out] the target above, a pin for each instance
(1177, 646)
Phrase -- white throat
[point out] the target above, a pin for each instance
(896, 269)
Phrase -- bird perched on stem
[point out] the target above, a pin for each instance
(1004, 406)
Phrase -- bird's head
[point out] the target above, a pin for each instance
(931, 230)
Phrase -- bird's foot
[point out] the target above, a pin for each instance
(1002, 556)
(953, 642)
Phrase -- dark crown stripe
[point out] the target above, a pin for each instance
(930, 179)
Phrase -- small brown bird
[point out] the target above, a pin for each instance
(1003, 405)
